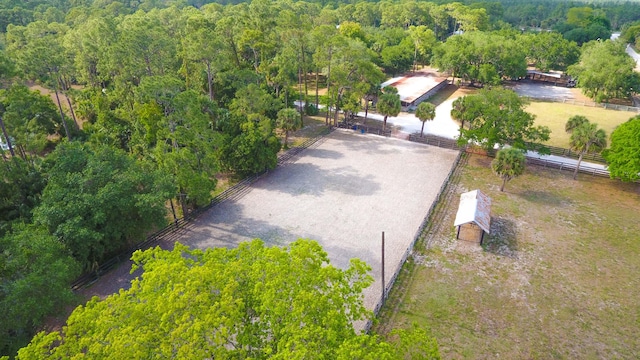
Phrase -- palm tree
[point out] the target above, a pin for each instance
(288, 120)
(389, 104)
(586, 138)
(425, 112)
(574, 122)
(508, 164)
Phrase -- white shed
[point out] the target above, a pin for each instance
(474, 215)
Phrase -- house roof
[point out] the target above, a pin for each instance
(475, 207)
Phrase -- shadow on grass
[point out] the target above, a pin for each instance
(503, 239)
(544, 198)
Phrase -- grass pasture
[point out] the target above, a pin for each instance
(555, 116)
(556, 279)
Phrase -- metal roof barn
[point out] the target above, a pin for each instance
(417, 87)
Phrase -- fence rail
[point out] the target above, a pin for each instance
(586, 103)
(417, 235)
(364, 129)
(436, 141)
(552, 164)
(174, 230)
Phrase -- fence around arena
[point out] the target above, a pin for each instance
(418, 233)
(172, 232)
(364, 129)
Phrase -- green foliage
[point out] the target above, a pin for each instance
(389, 104)
(508, 164)
(550, 51)
(251, 151)
(98, 201)
(623, 156)
(22, 185)
(480, 57)
(605, 71)
(497, 116)
(426, 111)
(35, 269)
(29, 118)
(289, 120)
(249, 302)
(574, 122)
(586, 138)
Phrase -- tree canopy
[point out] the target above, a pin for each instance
(585, 138)
(36, 270)
(249, 302)
(497, 117)
(623, 157)
(605, 71)
(508, 164)
(88, 192)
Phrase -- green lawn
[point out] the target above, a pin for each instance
(555, 116)
(557, 277)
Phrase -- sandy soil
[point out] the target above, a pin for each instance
(342, 193)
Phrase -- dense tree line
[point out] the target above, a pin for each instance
(150, 100)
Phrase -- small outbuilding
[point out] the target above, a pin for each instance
(473, 219)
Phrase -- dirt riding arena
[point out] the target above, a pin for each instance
(342, 192)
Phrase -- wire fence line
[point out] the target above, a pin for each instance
(551, 164)
(364, 129)
(178, 228)
(586, 103)
(418, 234)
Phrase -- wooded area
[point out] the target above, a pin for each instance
(147, 101)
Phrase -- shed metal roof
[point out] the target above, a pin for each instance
(474, 207)
(413, 86)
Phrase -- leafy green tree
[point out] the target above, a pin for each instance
(22, 185)
(605, 71)
(586, 138)
(249, 302)
(623, 156)
(250, 146)
(388, 105)
(201, 45)
(424, 39)
(426, 111)
(482, 57)
(36, 270)
(252, 100)
(497, 117)
(29, 118)
(98, 201)
(7, 68)
(40, 56)
(550, 51)
(508, 164)
(288, 120)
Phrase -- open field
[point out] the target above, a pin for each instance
(557, 277)
(555, 116)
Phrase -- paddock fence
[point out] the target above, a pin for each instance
(455, 169)
(608, 106)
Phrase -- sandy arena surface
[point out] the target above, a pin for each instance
(342, 193)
